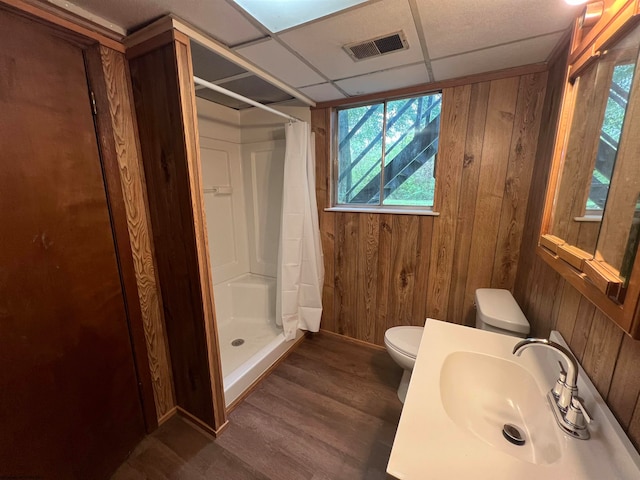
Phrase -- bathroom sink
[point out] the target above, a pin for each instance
(467, 385)
(482, 393)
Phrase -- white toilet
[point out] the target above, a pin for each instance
(497, 311)
(402, 344)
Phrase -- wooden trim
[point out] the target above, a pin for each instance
(170, 414)
(615, 22)
(116, 96)
(166, 157)
(602, 278)
(151, 44)
(117, 208)
(352, 340)
(613, 10)
(551, 242)
(67, 21)
(192, 142)
(587, 289)
(565, 119)
(81, 17)
(434, 86)
(150, 32)
(573, 255)
(265, 374)
(208, 430)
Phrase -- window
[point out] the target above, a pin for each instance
(386, 153)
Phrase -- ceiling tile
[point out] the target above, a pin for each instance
(321, 42)
(322, 93)
(386, 80)
(278, 61)
(505, 56)
(459, 26)
(221, 98)
(257, 89)
(216, 17)
(210, 66)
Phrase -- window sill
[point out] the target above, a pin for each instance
(390, 210)
(588, 218)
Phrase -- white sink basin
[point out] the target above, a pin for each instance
(482, 393)
(467, 384)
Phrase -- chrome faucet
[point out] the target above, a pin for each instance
(567, 407)
(570, 387)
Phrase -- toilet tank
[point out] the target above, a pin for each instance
(498, 311)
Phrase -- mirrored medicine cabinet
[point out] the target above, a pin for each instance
(591, 223)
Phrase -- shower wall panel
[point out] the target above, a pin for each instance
(225, 208)
(224, 198)
(263, 164)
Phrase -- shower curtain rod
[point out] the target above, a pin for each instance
(231, 94)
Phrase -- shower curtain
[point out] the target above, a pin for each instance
(300, 265)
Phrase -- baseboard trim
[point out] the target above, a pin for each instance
(170, 413)
(356, 341)
(207, 429)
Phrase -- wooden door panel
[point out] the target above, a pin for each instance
(69, 403)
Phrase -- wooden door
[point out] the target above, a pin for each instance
(69, 400)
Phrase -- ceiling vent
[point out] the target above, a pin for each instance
(377, 46)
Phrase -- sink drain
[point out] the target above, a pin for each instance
(513, 434)
(237, 342)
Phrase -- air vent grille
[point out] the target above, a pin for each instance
(377, 46)
(389, 44)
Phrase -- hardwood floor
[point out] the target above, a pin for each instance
(328, 412)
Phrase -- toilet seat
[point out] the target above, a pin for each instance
(405, 340)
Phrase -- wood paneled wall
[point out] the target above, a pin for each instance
(383, 270)
(610, 358)
(162, 78)
(120, 121)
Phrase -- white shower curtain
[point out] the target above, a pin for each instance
(300, 264)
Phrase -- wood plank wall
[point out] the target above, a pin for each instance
(610, 358)
(116, 93)
(383, 270)
(161, 74)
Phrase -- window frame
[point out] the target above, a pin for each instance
(333, 170)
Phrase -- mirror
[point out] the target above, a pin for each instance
(591, 224)
(618, 238)
(594, 152)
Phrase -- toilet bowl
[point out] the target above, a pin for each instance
(497, 311)
(402, 344)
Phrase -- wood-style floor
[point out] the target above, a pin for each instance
(328, 412)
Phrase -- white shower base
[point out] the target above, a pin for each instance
(245, 309)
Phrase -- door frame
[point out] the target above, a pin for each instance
(90, 42)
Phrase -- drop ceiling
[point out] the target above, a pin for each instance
(446, 39)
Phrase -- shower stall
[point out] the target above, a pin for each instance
(242, 155)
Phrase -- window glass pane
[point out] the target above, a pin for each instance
(411, 145)
(360, 154)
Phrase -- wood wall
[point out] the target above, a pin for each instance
(383, 270)
(119, 120)
(610, 358)
(162, 75)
